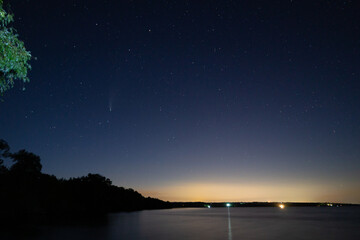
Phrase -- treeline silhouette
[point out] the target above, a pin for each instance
(27, 194)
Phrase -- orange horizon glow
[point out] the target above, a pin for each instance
(233, 192)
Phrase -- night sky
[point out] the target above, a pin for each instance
(193, 100)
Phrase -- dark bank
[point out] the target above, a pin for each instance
(28, 195)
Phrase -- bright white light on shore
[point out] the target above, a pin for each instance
(209, 206)
(228, 205)
(282, 206)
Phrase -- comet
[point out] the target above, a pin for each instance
(110, 106)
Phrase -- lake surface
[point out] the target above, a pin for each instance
(216, 223)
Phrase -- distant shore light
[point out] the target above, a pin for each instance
(228, 205)
(282, 206)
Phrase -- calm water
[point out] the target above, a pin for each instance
(217, 223)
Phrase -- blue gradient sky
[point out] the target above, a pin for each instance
(215, 101)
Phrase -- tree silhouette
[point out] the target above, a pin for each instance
(25, 162)
(27, 194)
(96, 179)
(4, 153)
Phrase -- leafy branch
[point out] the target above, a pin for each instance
(14, 58)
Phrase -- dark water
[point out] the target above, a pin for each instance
(216, 223)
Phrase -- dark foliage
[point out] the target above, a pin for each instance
(26, 194)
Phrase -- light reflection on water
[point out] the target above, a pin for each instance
(229, 224)
(216, 223)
